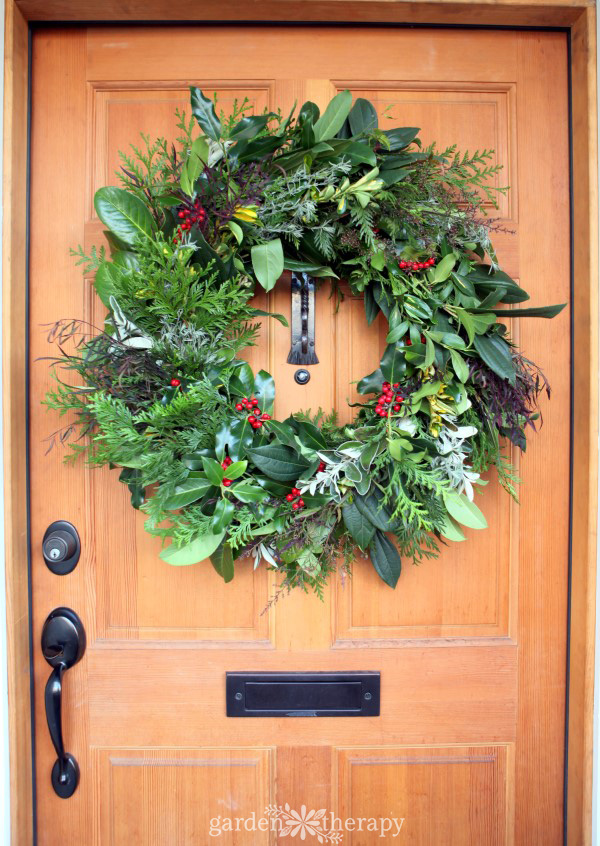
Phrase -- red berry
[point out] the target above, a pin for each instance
(409, 343)
(396, 385)
(385, 385)
(252, 419)
(422, 339)
(301, 503)
(181, 215)
(266, 417)
(384, 414)
(226, 482)
(175, 383)
(239, 406)
(296, 491)
(402, 264)
(378, 409)
(245, 400)
(290, 497)
(399, 398)
(321, 466)
(397, 407)
(295, 506)
(254, 401)
(256, 425)
(257, 411)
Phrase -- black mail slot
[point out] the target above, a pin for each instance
(302, 694)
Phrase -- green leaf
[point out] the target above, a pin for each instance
(283, 432)
(385, 558)
(317, 270)
(482, 322)
(124, 214)
(495, 352)
(359, 526)
(429, 353)
(222, 561)
(362, 116)
(194, 165)
(235, 470)
(371, 384)
(332, 119)
(105, 282)
(198, 550)
(189, 491)
(466, 512)
(264, 391)
(460, 366)
(360, 153)
(267, 262)
(278, 462)
(480, 276)
(224, 511)
(393, 364)
(250, 126)
(539, 311)
(417, 308)
(397, 333)
(311, 436)
(371, 508)
(401, 137)
(214, 471)
(452, 531)
(204, 111)
(236, 229)
(442, 271)
(242, 436)
(242, 382)
(309, 113)
(246, 491)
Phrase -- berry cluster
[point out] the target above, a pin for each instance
(225, 464)
(295, 498)
(189, 216)
(175, 383)
(256, 417)
(389, 400)
(416, 265)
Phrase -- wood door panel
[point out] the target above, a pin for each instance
(141, 792)
(416, 785)
(471, 647)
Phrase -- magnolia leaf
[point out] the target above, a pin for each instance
(124, 214)
(332, 119)
(495, 352)
(196, 551)
(385, 558)
(267, 262)
(362, 116)
(359, 526)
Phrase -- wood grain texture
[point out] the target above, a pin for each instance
(14, 369)
(165, 690)
(499, 12)
(585, 446)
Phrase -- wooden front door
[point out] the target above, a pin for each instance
(471, 647)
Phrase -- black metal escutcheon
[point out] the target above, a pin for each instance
(303, 320)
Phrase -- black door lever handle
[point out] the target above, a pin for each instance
(63, 645)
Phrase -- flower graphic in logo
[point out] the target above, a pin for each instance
(306, 823)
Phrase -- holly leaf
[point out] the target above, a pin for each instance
(246, 491)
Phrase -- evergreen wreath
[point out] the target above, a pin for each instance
(192, 228)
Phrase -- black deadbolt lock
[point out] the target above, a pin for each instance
(61, 547)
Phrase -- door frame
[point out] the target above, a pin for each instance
(578, 19)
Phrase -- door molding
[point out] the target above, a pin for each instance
(578, 18)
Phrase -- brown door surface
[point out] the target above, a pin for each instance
(471, 647)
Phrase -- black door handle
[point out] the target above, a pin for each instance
(63, 645)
